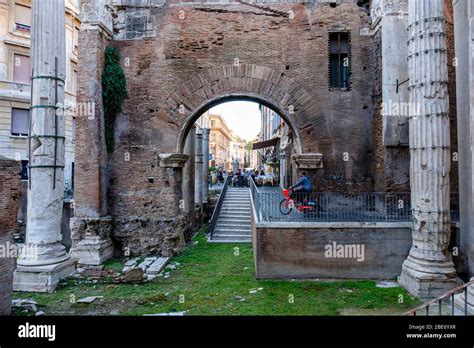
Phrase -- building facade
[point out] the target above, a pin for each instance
(239, 151)
(15, 80)
(220, 140)
(275, 147)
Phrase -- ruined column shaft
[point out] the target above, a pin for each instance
(205, 165)
(47, 125)
(44, 260)
(189, 171)
(429, 269)
(198, 170)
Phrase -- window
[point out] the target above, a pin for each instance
(19, 126)
(24, 171)
(73, 130)
(21, 69)
(213, 124)
(22, 18)
(339, 60)
(76, 38)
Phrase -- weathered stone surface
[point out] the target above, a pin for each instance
(42, 269)
(135, 275)
(429, 270)
(10, 191)
(301, 252)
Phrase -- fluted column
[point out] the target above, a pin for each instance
(205, 165)
(429, 269)
(46, 261)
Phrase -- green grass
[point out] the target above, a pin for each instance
(207, 282)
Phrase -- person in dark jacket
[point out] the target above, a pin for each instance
(301, 188)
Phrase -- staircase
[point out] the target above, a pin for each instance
(234, 223)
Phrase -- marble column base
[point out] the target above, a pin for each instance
(93, 250)
(427, 280)
(42, 278)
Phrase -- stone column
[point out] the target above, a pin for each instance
(429, 270)
(198, 170)
(205, 165)
(189, 171)
(42, 269)
(91, 226)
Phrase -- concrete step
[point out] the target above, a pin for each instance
(232, 228)
(230, 241)
(232, 237)
(230, 231)
(234, 222)
(235, 208)
(238, 215)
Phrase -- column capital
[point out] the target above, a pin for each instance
(309, 160)
(97, 14)
(381, 8)
(173, 160)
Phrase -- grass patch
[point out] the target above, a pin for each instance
(219, 279)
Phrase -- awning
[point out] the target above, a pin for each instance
(265, 144)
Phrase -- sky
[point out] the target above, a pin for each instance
(242, 117)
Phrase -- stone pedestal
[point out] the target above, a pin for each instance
(91, 240)
(42, 278)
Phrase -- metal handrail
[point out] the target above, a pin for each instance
(426, 306)
(217, 209)
(254, 192)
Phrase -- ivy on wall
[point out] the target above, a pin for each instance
(114, 92)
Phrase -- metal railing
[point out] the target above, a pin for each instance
(217, 209)
(255, 193)
(445, 304)
(337, 206)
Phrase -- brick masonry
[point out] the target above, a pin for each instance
(186, 57)
(10, 191)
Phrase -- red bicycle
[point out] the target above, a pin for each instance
(304, 206)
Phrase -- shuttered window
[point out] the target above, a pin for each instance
(21, 69)
(22, 17)
(19, 125)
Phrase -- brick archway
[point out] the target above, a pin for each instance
(255, 83)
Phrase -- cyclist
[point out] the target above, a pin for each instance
(302, 187)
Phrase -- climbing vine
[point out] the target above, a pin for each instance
(113, 92)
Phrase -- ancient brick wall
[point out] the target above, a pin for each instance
(181, 58)
(9, 205)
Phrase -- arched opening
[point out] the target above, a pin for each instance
(285, 115)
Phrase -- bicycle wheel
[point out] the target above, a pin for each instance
(285, 207)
